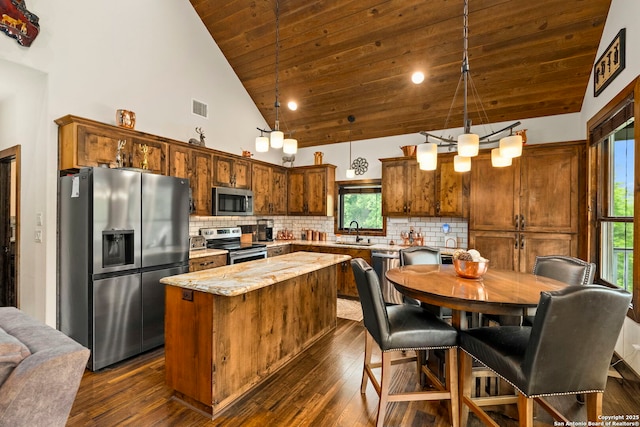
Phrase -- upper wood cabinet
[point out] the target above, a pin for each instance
(528, 209)
(231, 172)
(311, 190)
(195, 165)
(86, 143)
(409, 191)
(538, 192)
(269, 185)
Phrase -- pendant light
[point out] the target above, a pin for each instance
(468, 143)
(427, 156)
(351, 173)
(276, 136)
(498, 160)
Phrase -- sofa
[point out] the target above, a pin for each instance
(40, 371)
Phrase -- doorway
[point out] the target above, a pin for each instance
(9, 225)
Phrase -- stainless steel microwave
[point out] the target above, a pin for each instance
(231, 201)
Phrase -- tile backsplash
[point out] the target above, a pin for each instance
(430, 227)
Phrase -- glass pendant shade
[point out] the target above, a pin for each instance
(511, 146)
(351, 173)
(262, 144)
(468, 144)
(427, 152)
(431, 165)
(290, 146)
(498, 161)
(277, 139)
(461, 163)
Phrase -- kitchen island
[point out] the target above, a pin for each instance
(229, 328)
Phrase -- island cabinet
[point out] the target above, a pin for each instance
(195, 165)
(528, 209)
(408, 191)
(278, 250)
(230, 171)
(311, 190)
(346, 281)
(228, 329)
(207, 262)
(269, 185)
(87, 143)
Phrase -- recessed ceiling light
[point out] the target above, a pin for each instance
(417, 77)
(292, 105)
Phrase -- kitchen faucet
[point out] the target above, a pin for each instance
(358, 238)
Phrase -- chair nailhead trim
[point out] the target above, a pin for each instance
(421, 348)
(533, 395)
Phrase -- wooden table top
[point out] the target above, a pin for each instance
(497, 292)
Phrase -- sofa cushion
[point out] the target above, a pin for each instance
(12, 352)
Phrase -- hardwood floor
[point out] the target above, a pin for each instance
(319, 388)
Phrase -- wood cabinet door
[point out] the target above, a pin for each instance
(180, 162)
(261, 189)
(222, 171)
(97, 146)
(394, 183)
(421, 188)
(200, 181)
(242, 173)
(549, 190)
(156, 155)
(532, 245)
(494, 201)
(278, 195)
(296, 190)
(452, 190)
(316, 191)
(499, 247)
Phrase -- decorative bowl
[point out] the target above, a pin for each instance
(409, 150)
(470, 269)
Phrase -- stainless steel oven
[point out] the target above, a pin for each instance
(228, 238)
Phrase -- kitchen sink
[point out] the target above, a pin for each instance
(355, 243)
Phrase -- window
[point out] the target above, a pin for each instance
(615, 213)
(360, 201)
(612, 194)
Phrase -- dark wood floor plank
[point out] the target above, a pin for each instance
(321, 387)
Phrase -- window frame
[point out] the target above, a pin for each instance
(599, 126)
(337, 212)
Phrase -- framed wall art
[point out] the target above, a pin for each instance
(610, 64)
(17, 22)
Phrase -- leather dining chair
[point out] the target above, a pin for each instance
(562, 353)
(423, 255)
(570, 270)
(398, 329)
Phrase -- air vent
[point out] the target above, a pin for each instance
(199, 108)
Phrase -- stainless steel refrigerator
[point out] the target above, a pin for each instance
(119, 232)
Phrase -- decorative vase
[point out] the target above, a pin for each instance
(126, 119)
(317, 158)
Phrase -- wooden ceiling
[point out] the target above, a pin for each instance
(342, 57)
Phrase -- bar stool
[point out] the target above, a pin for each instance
(401, 328)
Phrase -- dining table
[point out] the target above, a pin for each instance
(498, 292)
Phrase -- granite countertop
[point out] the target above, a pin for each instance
(238, 279)
(374, 247)
(199, 253)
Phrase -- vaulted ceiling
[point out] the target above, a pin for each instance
(355, 57)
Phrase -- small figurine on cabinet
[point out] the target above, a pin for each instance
(194, 141)
(120, 160)
(126, 119)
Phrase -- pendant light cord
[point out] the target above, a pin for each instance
(277, 103)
